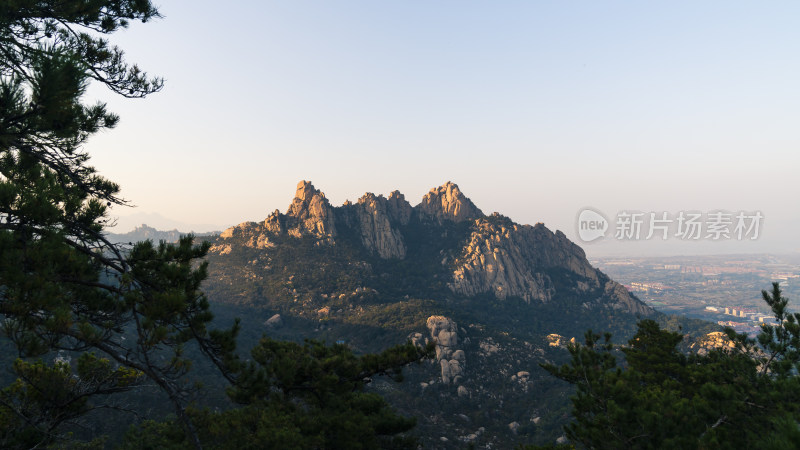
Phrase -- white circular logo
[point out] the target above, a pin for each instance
(591, 225)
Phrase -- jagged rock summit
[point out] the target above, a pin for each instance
(480, 254)
(311, 212)
(375, 217)
(448, 203)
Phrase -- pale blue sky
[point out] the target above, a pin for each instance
(536, 109)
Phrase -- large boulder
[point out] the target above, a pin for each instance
(451, 359)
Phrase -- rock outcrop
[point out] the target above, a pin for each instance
(447, 203)
(712, 341)
(310, 211)
(451, 359)
(556, 340)
(373, 216)
(251, 234)
(275, 223)
(274, 322)
(399, 209)
(508, 259)
(619, 298)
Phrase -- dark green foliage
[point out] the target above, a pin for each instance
(45, 397)
(315, 372)
(692, 328)
(745, 396)
(780, 345)
(300, 396)
(32, 30)
(63, 285)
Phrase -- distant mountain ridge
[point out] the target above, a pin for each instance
(500, 257)
(144, 232)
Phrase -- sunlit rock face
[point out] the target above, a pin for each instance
(372, 217)
(447, 203)
(311, 212)
(712, 341)
(495, 256)
(250, 233)
(507, 259)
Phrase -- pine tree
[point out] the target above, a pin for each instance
(63, 285)
(650, 395)
(300, 396)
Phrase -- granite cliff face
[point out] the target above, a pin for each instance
(508, 259)
(495, 256)
(399, 209)
(373, 216)
(447, 203)
(511, 260)
(310, 212)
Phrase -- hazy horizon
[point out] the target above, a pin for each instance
(537, 110)
(607, 247)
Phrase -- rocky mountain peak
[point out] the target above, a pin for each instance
(494, 255)
(447, 202)
(373, 216)
(274, 223)
(306, 190)
(399, 209)
(370, 199)
(312, 211)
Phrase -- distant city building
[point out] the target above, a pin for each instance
(768, 320)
